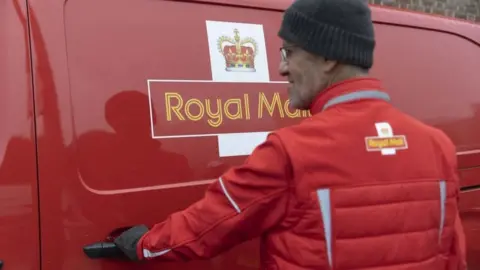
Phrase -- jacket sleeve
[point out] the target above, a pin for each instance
(242, 204)
(458, 261)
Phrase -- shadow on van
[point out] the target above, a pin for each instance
(128, 157)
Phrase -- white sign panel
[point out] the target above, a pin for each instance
(237, 52)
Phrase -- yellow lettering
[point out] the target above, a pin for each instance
(295, 114)
(398, 142)
(247, 106)
(217, 110)
(262, 100)
(306, 113)
(393, 142)
(176, 109)
(201, 112)
(238, 113)
(217, 117)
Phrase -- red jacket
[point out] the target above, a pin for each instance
(359, 185)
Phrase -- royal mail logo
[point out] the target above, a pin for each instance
(239, 52)
(378, 143)
(385, 142)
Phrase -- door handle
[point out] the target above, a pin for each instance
(101, 250)
(106, 249)
(1, 264)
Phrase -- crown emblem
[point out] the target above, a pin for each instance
(384, 131)
(239, 52)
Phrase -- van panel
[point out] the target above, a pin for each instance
(130, 162)
(131, 128)
(432, 76)
(19, 225)
(170, 102)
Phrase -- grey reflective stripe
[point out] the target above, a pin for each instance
(230, 199)
(443, 201)
(326, 211)
(364, 94)
(149, 254)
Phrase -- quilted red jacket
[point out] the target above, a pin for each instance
(359, 185)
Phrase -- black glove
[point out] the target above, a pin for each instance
(127, 241)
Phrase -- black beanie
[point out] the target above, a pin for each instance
(340, 30)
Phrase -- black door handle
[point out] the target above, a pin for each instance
(1, 264)
(102, 250)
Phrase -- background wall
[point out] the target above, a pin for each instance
(462, 9)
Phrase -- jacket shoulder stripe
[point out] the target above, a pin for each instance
(326, 211)
(230, 199)
(443, 201)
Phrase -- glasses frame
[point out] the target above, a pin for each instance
(284, 53)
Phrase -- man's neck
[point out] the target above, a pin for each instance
(346, 72)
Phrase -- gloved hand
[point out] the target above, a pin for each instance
(127, 241)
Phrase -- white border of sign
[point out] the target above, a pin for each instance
(229, 144)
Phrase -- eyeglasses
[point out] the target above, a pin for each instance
(285, 52)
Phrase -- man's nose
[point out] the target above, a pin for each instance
(283, 68)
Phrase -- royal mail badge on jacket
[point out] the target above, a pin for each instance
(386, 142)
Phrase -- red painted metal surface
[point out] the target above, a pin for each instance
(19, 247)
(99, 168)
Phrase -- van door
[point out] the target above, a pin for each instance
(162, 97)
(19, 226)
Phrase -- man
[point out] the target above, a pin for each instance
(341, 190)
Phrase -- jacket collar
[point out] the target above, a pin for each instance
(348, 90)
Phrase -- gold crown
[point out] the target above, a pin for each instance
(385, 131)
(238, 56)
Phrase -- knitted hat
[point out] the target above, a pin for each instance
(340, 30)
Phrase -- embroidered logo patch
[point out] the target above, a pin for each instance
(386, 142)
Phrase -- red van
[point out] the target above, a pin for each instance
(118, 112)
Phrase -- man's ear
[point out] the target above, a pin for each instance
(329, 65)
